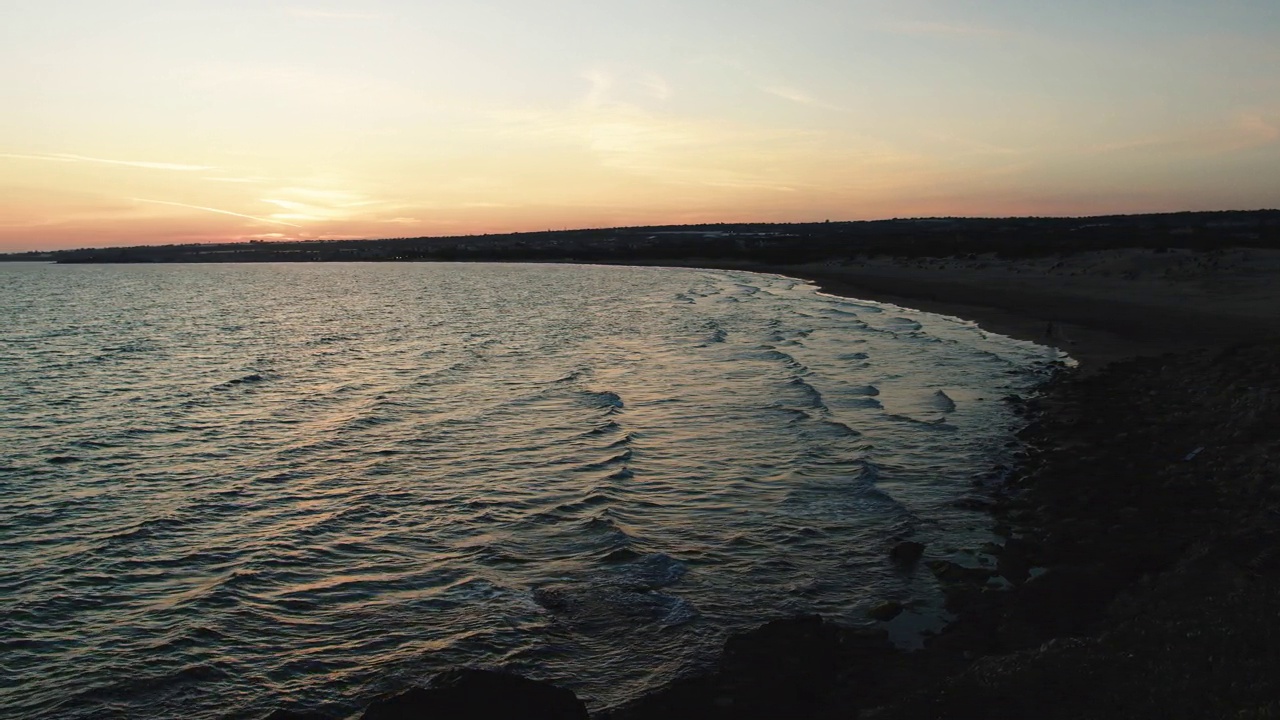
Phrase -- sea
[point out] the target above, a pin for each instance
(230, 488)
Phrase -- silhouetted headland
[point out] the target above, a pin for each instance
(768, 243)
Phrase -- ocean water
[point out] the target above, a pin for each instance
(230, 488)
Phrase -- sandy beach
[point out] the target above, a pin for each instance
(1097, 306)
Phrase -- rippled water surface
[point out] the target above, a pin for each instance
(229, 488)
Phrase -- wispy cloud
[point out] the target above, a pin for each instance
(326, 14)
(244, 180)
(671, 150)
(601, 83)
(48, 158)
(214, 210)
(1254, 128)
(743, 183)
(70, 158)
(1244, 130)
(301, 87)
(800, 97)
(310, 204)
(788, 93)
(335, 198)
(609, 88)
(914, 27)
(656, 86)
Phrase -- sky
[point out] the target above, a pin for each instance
(129, 122)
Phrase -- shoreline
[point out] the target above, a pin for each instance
(1134, 523)
(1136, 564)
(1096, 323)
(1138, 567)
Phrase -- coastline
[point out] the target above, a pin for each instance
(1141, 303)
(1138, 567)
(1137, 572)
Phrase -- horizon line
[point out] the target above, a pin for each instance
(826, 221)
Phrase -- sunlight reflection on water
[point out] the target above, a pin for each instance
(231, 487)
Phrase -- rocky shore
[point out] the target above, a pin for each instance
(1138, 576)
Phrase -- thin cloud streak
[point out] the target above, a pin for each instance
(945, 29)
(317, 14)
(215, 210)
(47, 158)
(1246, 130)
(71, 158)
(1255, 129)
(787, 93)
(601, 83)
(657, 86)
(800, 97)
(661, 148)
(247, 180)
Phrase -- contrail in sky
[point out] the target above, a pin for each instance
(215, 210)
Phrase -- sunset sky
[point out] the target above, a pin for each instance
(146, 121)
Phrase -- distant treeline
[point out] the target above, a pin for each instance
(770, 243)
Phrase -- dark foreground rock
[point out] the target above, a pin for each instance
(479, 695)
(795, 668)
(907, 553)
(1152, 510)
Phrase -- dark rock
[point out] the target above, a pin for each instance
(782, 645)
(1014, 567)
(282, 714)
(907, 552)
(962, 597)
(786, 667)
(949, 572)
(470, 694)
(1016, 635)
(886, 611)
(1068, 599)
(783, 669)
(972, 503)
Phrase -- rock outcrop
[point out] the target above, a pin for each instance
(469, 694)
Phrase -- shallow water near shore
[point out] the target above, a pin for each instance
(229, 488)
